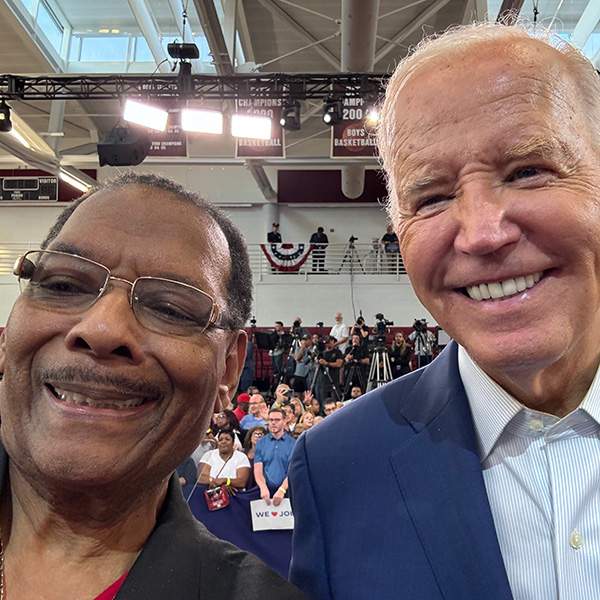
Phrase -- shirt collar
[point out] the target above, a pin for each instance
(493, 407)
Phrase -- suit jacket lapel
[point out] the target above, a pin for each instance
(439, 475)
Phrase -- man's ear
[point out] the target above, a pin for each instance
(234, 363)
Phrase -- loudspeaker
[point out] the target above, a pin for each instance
(123, 147)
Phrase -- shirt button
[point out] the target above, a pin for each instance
(575, 540)
(536, 424)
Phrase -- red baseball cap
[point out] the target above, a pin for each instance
(243, 398)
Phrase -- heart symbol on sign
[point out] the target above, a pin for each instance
(274, 514)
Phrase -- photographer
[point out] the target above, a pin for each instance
(423, 342)
(305, 367)
(356, 361)
(361, 330)
(279, 341)
(400, 354)
(329, 362)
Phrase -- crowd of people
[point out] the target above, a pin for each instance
(331, 364)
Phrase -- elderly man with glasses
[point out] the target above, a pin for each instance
(126, 337)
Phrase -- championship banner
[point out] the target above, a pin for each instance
(267, 517)
(350, 137)
(170, 142)
(274, 147)
(286, 257)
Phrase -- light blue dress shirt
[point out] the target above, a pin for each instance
(542, 476)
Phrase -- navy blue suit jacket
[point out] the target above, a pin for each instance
(389, 498)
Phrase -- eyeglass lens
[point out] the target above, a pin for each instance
(70, 283)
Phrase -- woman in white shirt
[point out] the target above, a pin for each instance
(225, 465)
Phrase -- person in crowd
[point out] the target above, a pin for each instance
(400, 354)
(257, 413)
(329, 407)
(304, 358)
(488, 457)
(251, 390)
(106, 389)
(225, 465)
(423, 342)
(298, 330)
(283, 394)
(340, 332)
(297, 405)
(356, 364)
(241, 409)
(272, 458)
(361, 329)
(274, 237)
(318, 419)
(226, 420)
(289, 417)
(327, 382)
(307, 420)
(252, 437)
(391, 249)
(314, 406)
(319, 242)
(280, 346)
(355, 392)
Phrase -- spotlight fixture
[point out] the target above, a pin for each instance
(145, 115)
(290, 116)
(201, 121)
(124, 147)
(251, 126)
(332, 112)
(5, 122)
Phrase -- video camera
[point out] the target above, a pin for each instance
(352, 239)
(381, 328)
(420, 325)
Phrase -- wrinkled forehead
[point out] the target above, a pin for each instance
(149, 232)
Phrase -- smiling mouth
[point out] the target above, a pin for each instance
(80, 399)
(499, 290)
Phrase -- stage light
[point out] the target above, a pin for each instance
(251, 126)
(201, 121)
(5, 122)
(145, 115)
(73, 181)
(290, 116)
(332, 112)
(372, 116)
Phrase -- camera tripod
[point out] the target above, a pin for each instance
(351, 257)
(353, 377)
(381, 371)
(422, 349)
(325, 373)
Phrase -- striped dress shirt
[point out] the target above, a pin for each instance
(542, 476)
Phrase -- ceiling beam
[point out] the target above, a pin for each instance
(245, 36)
(214, 36)
(586, 24)
(409, 29)
(149, 30)
(282, 15)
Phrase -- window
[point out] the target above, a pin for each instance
(30, 6)
(142, 50)
(104, 48)
(74, 48)
(50, 26)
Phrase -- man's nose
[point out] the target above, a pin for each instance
(108, 329)
(484, 221)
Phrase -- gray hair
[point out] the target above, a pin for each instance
(239, 285)
(458, 40)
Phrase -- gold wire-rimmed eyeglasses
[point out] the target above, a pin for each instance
(69, 283)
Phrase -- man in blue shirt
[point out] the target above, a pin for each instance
(272, 459)
(256, 408)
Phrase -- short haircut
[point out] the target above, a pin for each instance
(239, 285)
(228, 432)
(466, 38)
(275, 409)
(279, 323)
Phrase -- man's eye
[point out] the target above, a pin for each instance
(525, 173)
(61, 285)
(170, 312)
(432, 203)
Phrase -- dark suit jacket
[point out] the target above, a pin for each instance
(389, 498)
(181, 560)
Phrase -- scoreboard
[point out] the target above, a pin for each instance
(29, 189)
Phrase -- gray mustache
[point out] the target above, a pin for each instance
(82, 375)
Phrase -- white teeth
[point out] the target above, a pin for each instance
(503, 289)
(521, 284)
(82, 400)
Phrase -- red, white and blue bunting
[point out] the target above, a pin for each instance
(286, 257)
